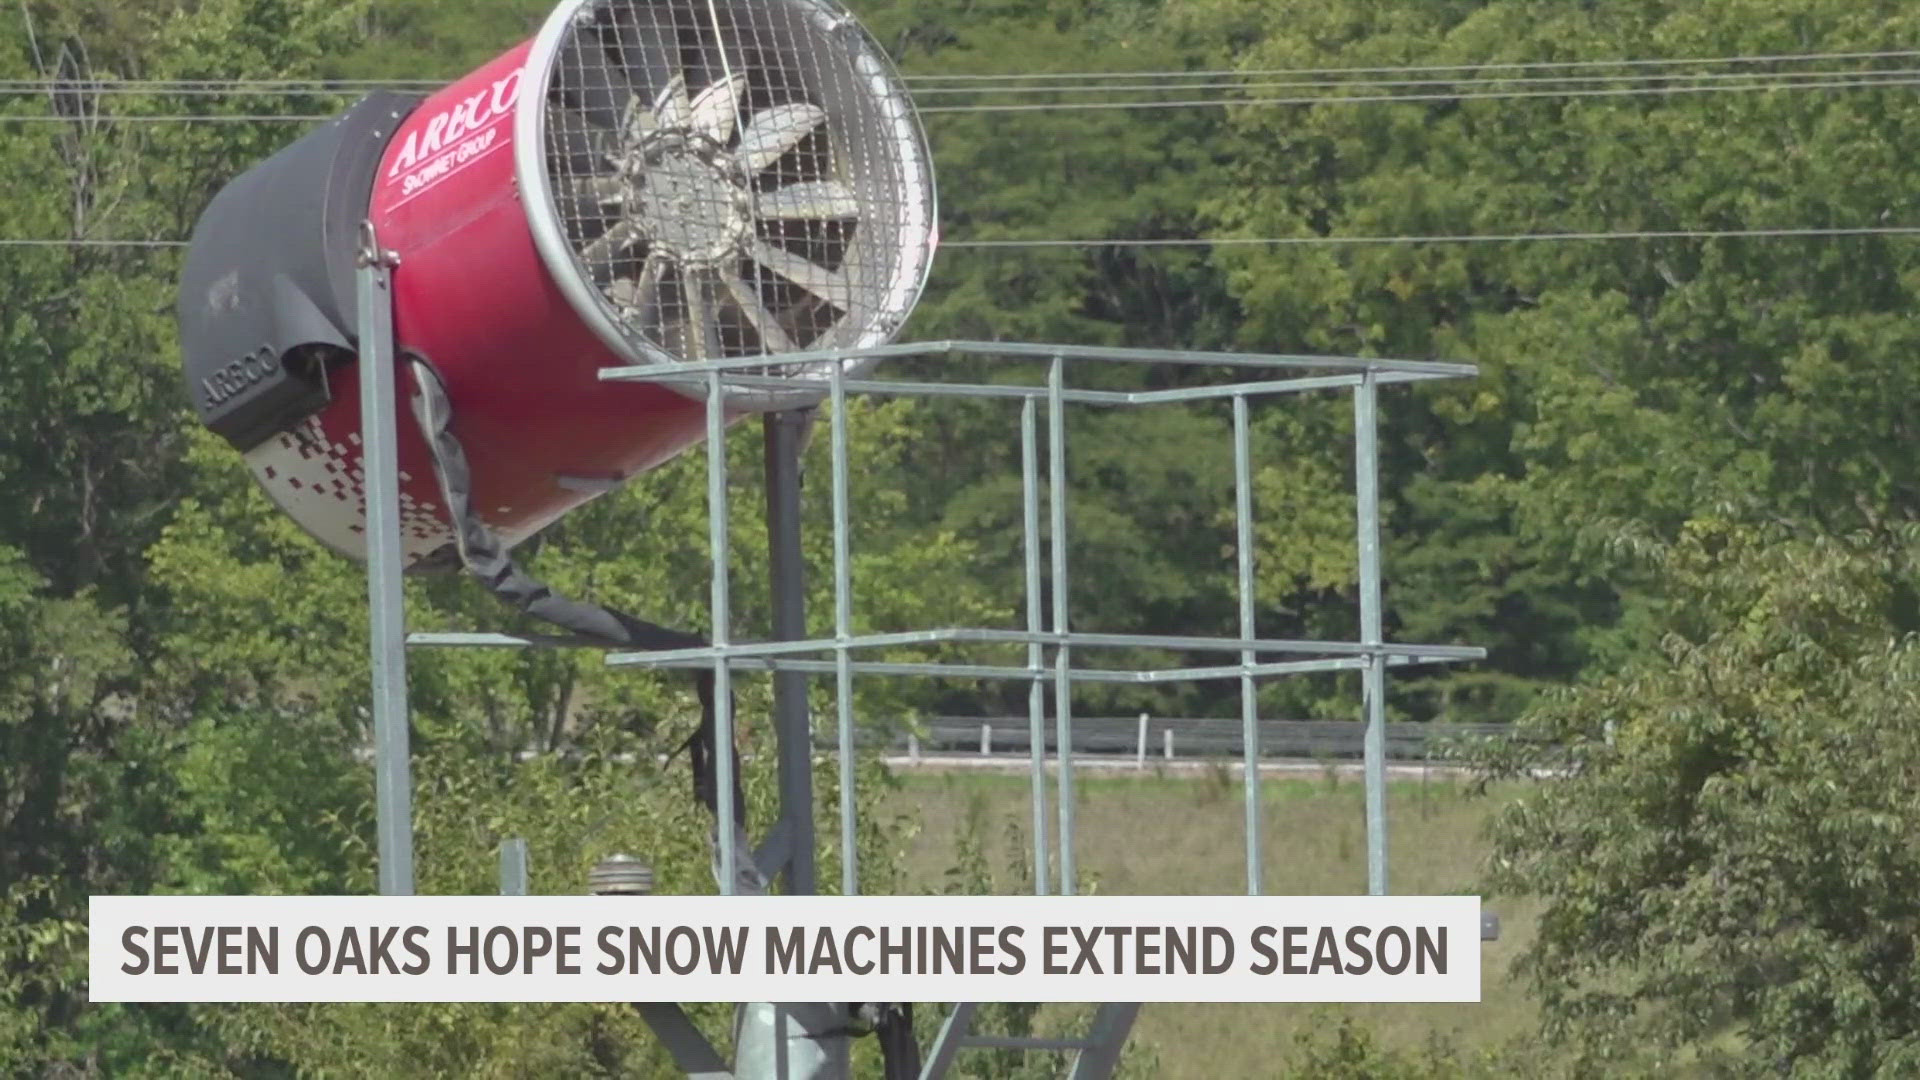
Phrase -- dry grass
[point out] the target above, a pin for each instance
(1182, 835)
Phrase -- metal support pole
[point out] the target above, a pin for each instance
(1112, 1023)
(781, 1041)
(946, 1044)
(1036, 695)
(513, 867)
(1366, 404)
(792, 723)
(691, 1051)
(843, 630)
(1062, 672)
(717, 534)
(380, 458)
(1249, 706)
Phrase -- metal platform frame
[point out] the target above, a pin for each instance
(1054, 650)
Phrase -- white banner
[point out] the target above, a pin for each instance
(809, 948)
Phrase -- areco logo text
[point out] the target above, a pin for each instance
(443, 133)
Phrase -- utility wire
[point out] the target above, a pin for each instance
(1375, 84)
(172, 118)
(1480, 87)
(88, 242)
(1401, 69)
(1467, 238)
(295, 85)
(1239, 241)
(1222, 81)
(1351, 99)
(1085, 106)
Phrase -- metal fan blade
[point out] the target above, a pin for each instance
(604, 190)
(673, 108)
(634, 295)
(603, 147)
(637, 123)
(703, 326)
(773, 132)
(625, 294)
(807, 274)
(578, 147)
(762, 320)
(716, 110)
(610, 242)
(817, 200)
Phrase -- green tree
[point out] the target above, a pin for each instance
(1645, 381)
(90, 464)
(1727, 865)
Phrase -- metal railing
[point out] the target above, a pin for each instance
(1057, 651)
(1166, 737)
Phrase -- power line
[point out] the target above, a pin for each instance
(173, 118)
(1353, 99)
(205, 87)
(324, 85)
(1239, 241)
(289, 86)
(1084, 106)
(1721, 81)
(1371, 84)
(1221, 80)
(1400, 69)
(87, 242)
(1467, 238)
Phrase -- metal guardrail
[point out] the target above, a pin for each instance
(1172, 737)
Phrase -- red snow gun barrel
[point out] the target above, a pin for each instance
(640, 183)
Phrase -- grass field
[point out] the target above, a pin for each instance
(1182, 834)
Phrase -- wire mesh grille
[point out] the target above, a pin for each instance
(738, 178)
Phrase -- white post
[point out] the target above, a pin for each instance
(1140, 745)
(986, 739)
(1168, 732)
(913, 747)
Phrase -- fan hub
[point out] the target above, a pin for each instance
(691, 200)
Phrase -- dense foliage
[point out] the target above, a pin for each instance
(1676, 506)
(1730, 866)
